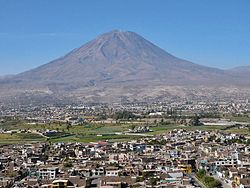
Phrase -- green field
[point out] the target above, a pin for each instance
(20, 138)
(88, 133)
(238, 118)
(87, 139)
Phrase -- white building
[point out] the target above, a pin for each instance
(112, 171)
(48, 173)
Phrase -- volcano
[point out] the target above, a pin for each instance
(116, 60)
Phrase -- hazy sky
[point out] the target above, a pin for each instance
(210, 32)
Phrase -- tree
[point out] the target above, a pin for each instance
(209, 181)
(153, 181)
(226, 173)
(139, 178)
(68, 126)
(162, 120)
(132, 126)
(201, 173)
(248, 141)
(196, 121)
(68, 165)
(124, 115)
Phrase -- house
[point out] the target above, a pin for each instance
(116, 182)
(245, 183)
(62, 184)
(48, 172)
(232, 172)
(78, 181)
(112, 171)
(226, 162)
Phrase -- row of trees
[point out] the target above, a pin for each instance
(125, 115)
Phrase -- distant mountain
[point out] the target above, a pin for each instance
(6, 76)
(242, 73)
(240, 70)
(116, 60)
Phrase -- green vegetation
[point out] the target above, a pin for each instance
(209, 181)
(10, 173)
(67, 165)
(124, 115)
(159, 129)
(91, 132)
(93, 138)
(195, 121)
(239, 118)
(20, 138)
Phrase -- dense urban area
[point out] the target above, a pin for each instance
(172, 144)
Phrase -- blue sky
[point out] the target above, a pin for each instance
(209, 32)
